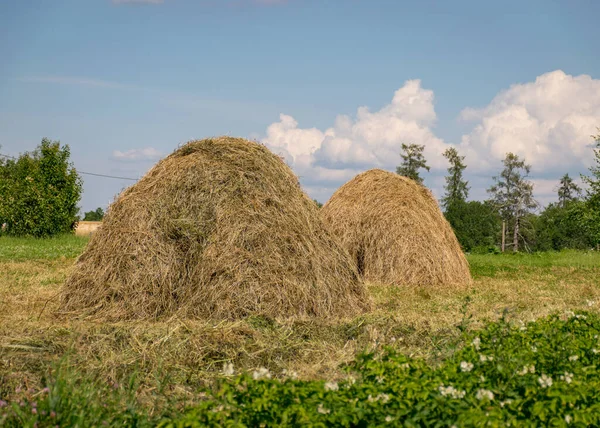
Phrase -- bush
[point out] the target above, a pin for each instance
(476, 224)
(543, 373)
(96, 215)
(39, 192)
(559, 227)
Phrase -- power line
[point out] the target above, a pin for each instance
(107, 176)
(86, 173)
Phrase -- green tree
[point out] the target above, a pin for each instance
(512, 194)
(559, 227)
(457, 189)
(39, 191)
(593, 180)
(412, 161)
(96, 215)
(568, 191)
(476, 224)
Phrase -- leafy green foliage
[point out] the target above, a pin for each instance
(512, 194)
(39, 192)
(568, 191)
(593, 181)
(542, 373)
(96, 215)
(476, 224)
(457, 189)
(559, 227)
(412, 161)
(74, 401)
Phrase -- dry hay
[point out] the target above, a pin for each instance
(395, 231)
(220, 229)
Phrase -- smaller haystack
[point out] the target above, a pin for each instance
(220, 229)
(395, 231)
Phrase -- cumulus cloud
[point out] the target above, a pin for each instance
(351, 145)
(548, 121)
(145, 154)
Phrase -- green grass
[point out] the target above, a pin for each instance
(24, 249)
(488, 265)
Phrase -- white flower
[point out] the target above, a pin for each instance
(590, 303)
(451, 391)
(323, 410)
(481, 378)
(383, 397)
(370, 398)
(567, 377)
(228, 369)
(331, 386)
(545, 381)
(380, 379)
(351, 380)
(465, 366)
(526, 369)
(484, 358)
(505, 402)
(388, 419)
(405, 366)
(580, 317)
(534, 348)
(568, 419)
(573, 358)
(595, 351)
(261, 373)
(484, 393)
(476, 342)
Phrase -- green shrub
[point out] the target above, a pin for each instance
(39, 192)
(542, 373)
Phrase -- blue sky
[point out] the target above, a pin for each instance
(125, 82)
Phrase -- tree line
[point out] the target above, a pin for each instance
(510, 218)
(40, 191)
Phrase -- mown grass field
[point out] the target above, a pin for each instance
(156, 368)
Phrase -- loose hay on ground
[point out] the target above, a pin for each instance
(395, 231)
(220, 229)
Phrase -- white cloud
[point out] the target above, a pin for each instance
(548, 121)
(145, 154)
(326, 159)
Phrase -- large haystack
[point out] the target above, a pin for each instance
(395, 231)
(220, 229)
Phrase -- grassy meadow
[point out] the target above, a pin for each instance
(155, 368)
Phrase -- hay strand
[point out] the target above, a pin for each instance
(220, 229)
(395, 231)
